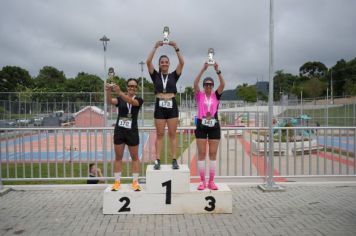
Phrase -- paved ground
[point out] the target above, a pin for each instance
(304, 209)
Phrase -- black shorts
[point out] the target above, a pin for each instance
(166, 113)
(127, 136)
(207, 133)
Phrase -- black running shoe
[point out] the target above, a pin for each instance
(157, 165)
(175, 165)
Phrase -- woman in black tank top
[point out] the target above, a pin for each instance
(166, 110)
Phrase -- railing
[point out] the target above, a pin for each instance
(65, 153)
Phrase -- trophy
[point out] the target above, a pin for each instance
(165, 35)
(111, 74)
(211, 60)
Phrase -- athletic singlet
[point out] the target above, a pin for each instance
(170, 80)
(203, 103)
(124, 110)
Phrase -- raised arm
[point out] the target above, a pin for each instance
(197, 79)
(109, 99)
(125, 97)
(151, 55)
(180, 65)
(221, 79)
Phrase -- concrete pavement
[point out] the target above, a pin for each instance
(304, 209)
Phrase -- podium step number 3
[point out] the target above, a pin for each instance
(166, 200)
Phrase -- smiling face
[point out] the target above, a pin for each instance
(131, 87)
(164, 64)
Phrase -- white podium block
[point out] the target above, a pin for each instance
(157, 179)
(127, 201)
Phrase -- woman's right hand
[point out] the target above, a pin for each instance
(159, 44)
(108, 87)
(205, 66)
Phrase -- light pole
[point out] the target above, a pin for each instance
(269, 185)
(331, 87)
(142, 88)
(105, 40)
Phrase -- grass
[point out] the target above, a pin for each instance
(337, 116)
(69, 170)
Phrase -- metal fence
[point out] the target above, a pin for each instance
(65, 153)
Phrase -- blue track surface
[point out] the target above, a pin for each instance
(343, 143)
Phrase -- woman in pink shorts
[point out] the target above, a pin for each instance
(208, 127)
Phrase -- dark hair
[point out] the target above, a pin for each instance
(91, 166)
(159, 60)
(131, 79)
(208, 79)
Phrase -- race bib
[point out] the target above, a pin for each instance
(125, 123)
(165, 103)
(208, 122)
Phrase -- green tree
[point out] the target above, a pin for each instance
(246, 92)
(14, 79)
(52, 78)
(313, 69)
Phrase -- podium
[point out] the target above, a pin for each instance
(167, 191)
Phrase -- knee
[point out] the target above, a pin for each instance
(160, 135)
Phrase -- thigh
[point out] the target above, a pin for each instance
(133, 152)
(119, 151)
(201, 145)
(213, 145)
(172, 125)
(160, 125)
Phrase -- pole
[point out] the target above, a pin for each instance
(105, 40)
(270, 185)
(331, 87)
(142, 90)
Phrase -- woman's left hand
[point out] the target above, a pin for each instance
(173, 44)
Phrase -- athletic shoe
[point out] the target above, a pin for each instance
(175, 165)
(135, 186)
(212, 186)
(116, 186)
(202, 186)
(157, 165)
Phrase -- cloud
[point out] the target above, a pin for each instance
(65, 34)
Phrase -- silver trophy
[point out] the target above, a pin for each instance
(211, 53)
(165, 35)
(111, 75)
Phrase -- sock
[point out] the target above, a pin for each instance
(117, 176)
(201, 169)
(212, 168)
(135, 176)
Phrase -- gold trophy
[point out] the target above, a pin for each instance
(111, 75)
(211, 60)
(165, 35)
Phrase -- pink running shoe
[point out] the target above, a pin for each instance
(212, 186)
(202, 186)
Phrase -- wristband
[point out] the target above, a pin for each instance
(177, 49)
(218, 72)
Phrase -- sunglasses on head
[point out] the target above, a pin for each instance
(209, 84)
(132, 86)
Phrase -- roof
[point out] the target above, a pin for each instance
(91, 108)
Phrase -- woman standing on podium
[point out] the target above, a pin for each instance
(166, 109)
(126, 129)
(208, 127)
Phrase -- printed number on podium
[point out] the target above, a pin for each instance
(211, 202)
(125, 207)
(168, 184)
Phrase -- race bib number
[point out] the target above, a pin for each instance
(125, 123)
(166, 103)
(208, 122)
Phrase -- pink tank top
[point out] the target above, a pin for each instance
(203, 103)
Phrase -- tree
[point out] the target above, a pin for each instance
(312, 69)
(14, 78)
(50, 77)
(246, 92)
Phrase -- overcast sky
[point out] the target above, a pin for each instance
(65, 34)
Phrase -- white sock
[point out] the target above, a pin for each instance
(135, 176)
(117, 176)
(201, 170)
